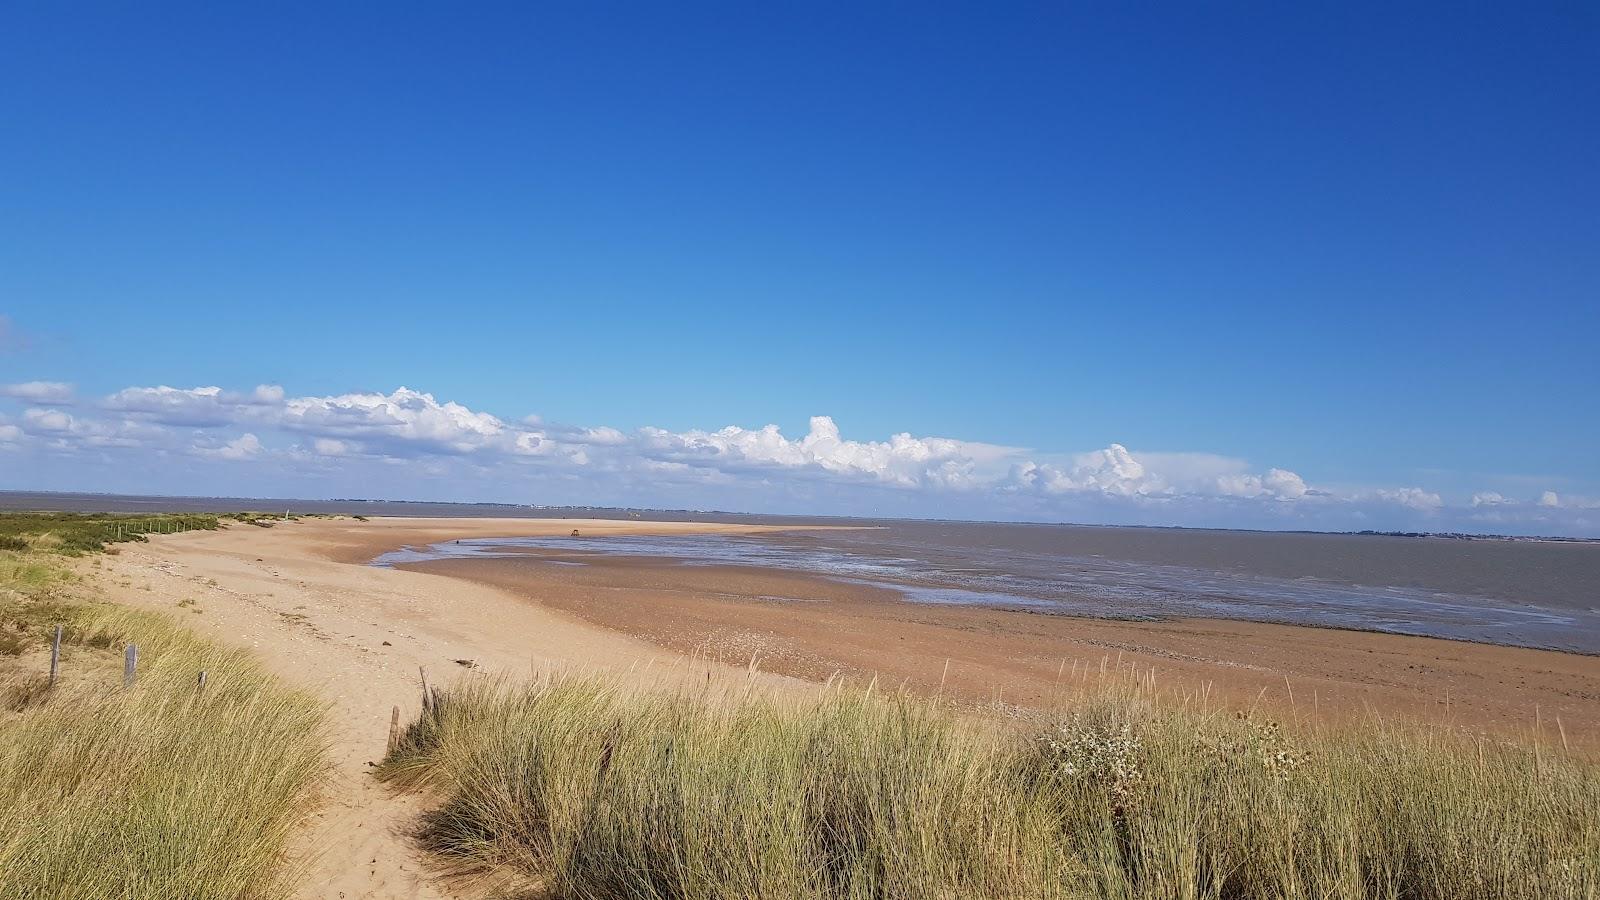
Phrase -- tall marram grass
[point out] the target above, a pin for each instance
(590, 789)
(163, 790)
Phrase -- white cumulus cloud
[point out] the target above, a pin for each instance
(245, 446)
(69, 431)
(201, 407)
(902, 460)
(1277, 484)
(1116, 471)
(1412, 498)
(1113, 470)
(402, 419)
(362, 434)
(47, 421)
(44, 393)
(332, 447)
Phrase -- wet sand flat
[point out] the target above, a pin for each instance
(812, 627)
(359, 542)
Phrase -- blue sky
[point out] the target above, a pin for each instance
(1355, 243)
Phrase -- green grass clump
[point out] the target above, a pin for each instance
(161, 790)
(78, 533)
(591, 790)
(32, 586)
(74, 534)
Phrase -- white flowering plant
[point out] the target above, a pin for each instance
(1255, 743)
(1096, 754)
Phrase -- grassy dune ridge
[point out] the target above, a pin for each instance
(162, 790)
(590, 788)
(77, 533)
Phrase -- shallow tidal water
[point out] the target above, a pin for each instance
(1528, 594)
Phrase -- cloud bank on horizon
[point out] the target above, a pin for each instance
(408, 445)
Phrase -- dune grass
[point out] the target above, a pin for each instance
(162, 790)
(77, 533)
(591, 789)
(74, 534)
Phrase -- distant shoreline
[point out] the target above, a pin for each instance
(88, 501)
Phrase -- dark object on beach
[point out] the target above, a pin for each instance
(574, 532)
(467, 663)
(387, 644)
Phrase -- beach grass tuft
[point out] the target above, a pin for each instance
(590, 788)
(163, 789)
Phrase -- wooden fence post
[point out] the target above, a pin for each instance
(55, 656)
(130, 664)
(202, 681)
(427, 704)
(394, 729)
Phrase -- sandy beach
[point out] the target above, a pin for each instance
(301, 596)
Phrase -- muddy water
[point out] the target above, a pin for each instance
(1529, 594)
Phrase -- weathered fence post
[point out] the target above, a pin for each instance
(130, 664)
(394, 729)
(55, 656)
(201, 685)
(427, 704)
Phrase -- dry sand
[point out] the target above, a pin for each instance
(300, 595)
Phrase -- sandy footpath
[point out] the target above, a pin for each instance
(300, 595)
(356, 635)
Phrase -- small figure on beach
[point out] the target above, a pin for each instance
(574, 532)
